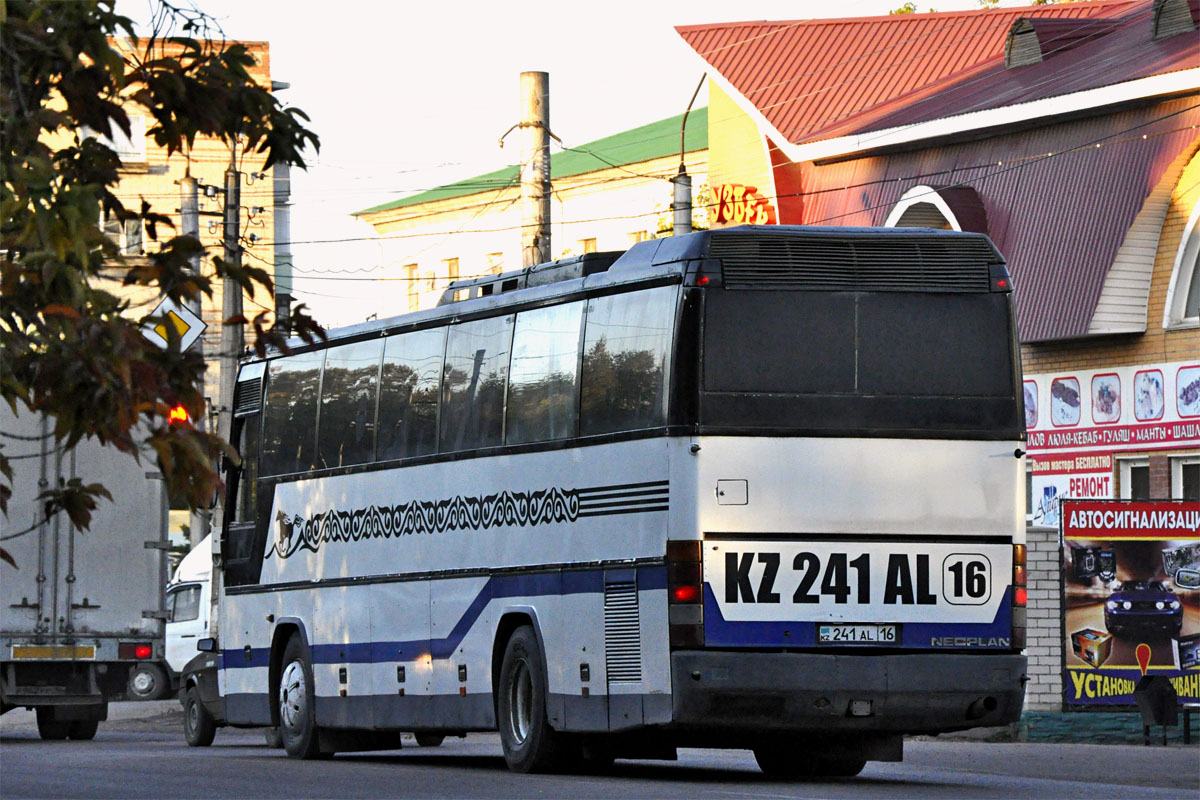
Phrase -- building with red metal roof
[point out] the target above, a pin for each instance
(1070, 135)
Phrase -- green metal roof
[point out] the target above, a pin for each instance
(651, 141)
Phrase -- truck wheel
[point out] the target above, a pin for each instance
(49, 728)
(83, 729)
(199, 727)
(148, 682)
(530, 744)
(297, 704)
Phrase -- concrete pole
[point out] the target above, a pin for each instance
(189, 210)
(231, 351)
(231, 302)
(535, 168)
(283, 246)
(683, 203)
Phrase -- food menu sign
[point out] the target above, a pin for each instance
(1131, 599)
(1079, 421)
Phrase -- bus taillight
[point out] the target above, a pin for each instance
(1020, 597)
(685, 594)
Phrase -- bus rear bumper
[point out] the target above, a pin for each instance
(897, 693)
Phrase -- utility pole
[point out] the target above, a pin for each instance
(189, 210)
(535, 168)
(231, 300)
(283, 246)
(231, 350)
(682, 200)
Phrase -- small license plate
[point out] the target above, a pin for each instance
(856, 634)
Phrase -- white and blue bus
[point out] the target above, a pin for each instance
(756, 487)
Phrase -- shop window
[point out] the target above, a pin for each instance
(1183, 294)
(921, 207)
(130, 149)
(1135, 478)
(1185, 477)
(410, 280)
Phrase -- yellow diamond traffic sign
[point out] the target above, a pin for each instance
(183, 321)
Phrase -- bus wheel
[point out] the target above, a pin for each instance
(297, 707)
(199, 727)
(49, 728)
(83, 729)
(530, 744)
(429, 739)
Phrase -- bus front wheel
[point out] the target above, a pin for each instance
(297, 707)
(530, 744)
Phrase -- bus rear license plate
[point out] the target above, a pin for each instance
(856, 634)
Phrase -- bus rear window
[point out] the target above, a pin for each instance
(858, 361)
(912, 344)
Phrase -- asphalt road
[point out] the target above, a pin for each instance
(138, 756)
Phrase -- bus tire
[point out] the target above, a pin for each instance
(49, 728)
(83, 730)
(297, 704)
(199, 727)
(530, 744)
(272, 738)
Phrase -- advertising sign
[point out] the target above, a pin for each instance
(1131, 598)
(1080, 422)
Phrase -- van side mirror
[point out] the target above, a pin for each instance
(207, 645)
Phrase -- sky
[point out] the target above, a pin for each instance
(407, 96)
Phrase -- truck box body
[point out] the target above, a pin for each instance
(81, 616)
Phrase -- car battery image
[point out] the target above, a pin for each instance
(1189, 651)
(1092, 646)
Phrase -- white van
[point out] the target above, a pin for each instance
(188, 606)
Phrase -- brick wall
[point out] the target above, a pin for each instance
(1045, 636)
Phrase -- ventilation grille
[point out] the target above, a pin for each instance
(622, 633)
(247, 397)
(911, 263)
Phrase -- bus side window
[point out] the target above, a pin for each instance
(473, 385)
(247, 479)
(408, 394)
(543, 380)
(290, 419)
(348, 393)
(626, 342)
